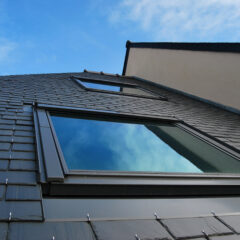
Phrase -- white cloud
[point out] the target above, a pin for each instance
(176, 19)
(137, 149)
(6, 48)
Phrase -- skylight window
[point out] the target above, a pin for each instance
(99, 86)
(117, 88)
(105, 145)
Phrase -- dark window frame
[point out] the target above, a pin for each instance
(80, 80)
(57, 180)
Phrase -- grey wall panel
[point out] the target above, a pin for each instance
(127, 230)
(15, 192)
(3, 231)
(50, 230)
(194, 227)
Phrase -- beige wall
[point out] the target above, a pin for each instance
(210, 75)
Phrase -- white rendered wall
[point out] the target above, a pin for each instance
(211, 75)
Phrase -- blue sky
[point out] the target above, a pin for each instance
(45, 36)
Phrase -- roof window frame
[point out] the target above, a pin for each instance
(58, 180)
(80, 82)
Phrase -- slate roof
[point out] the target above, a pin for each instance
(21, 206)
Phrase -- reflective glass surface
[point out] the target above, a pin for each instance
(101, 86)
(116, 146)
(137, 91)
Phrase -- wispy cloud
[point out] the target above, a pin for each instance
(134, 148)
(181, 19)
(6, 48)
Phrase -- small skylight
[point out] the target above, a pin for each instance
(120, 88)
(99, 86)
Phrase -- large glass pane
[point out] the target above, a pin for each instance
(116, 146)
(137, 91)
(101, 86)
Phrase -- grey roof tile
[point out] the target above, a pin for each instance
(232, 221)
(197, 239)
(25, 114)
(6, 132)
(12, 116)
(24, 128)
(21, 210)
(23, 147)
(7, 127)
(12, 110)
(5, 121)
(193, 227)
(3, 231)
(23, 155)
(60, 231)
(23, 139)
(3, 164)
(2, 190)
(22, 165)
(227, 237)
(24, 122)
(17, 117)
(15, 192)
(5, 146)
(5, 154)
(24, 133)
(127, 229)
(18, 177)
(5, 139)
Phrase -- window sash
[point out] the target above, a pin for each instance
(92, 183)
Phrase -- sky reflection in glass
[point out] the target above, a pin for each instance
(101, 86)
(103, 145)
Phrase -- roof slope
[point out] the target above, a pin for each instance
(21, 207)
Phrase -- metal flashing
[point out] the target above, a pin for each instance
(233, 47)
(74, 110)
(51, 159)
